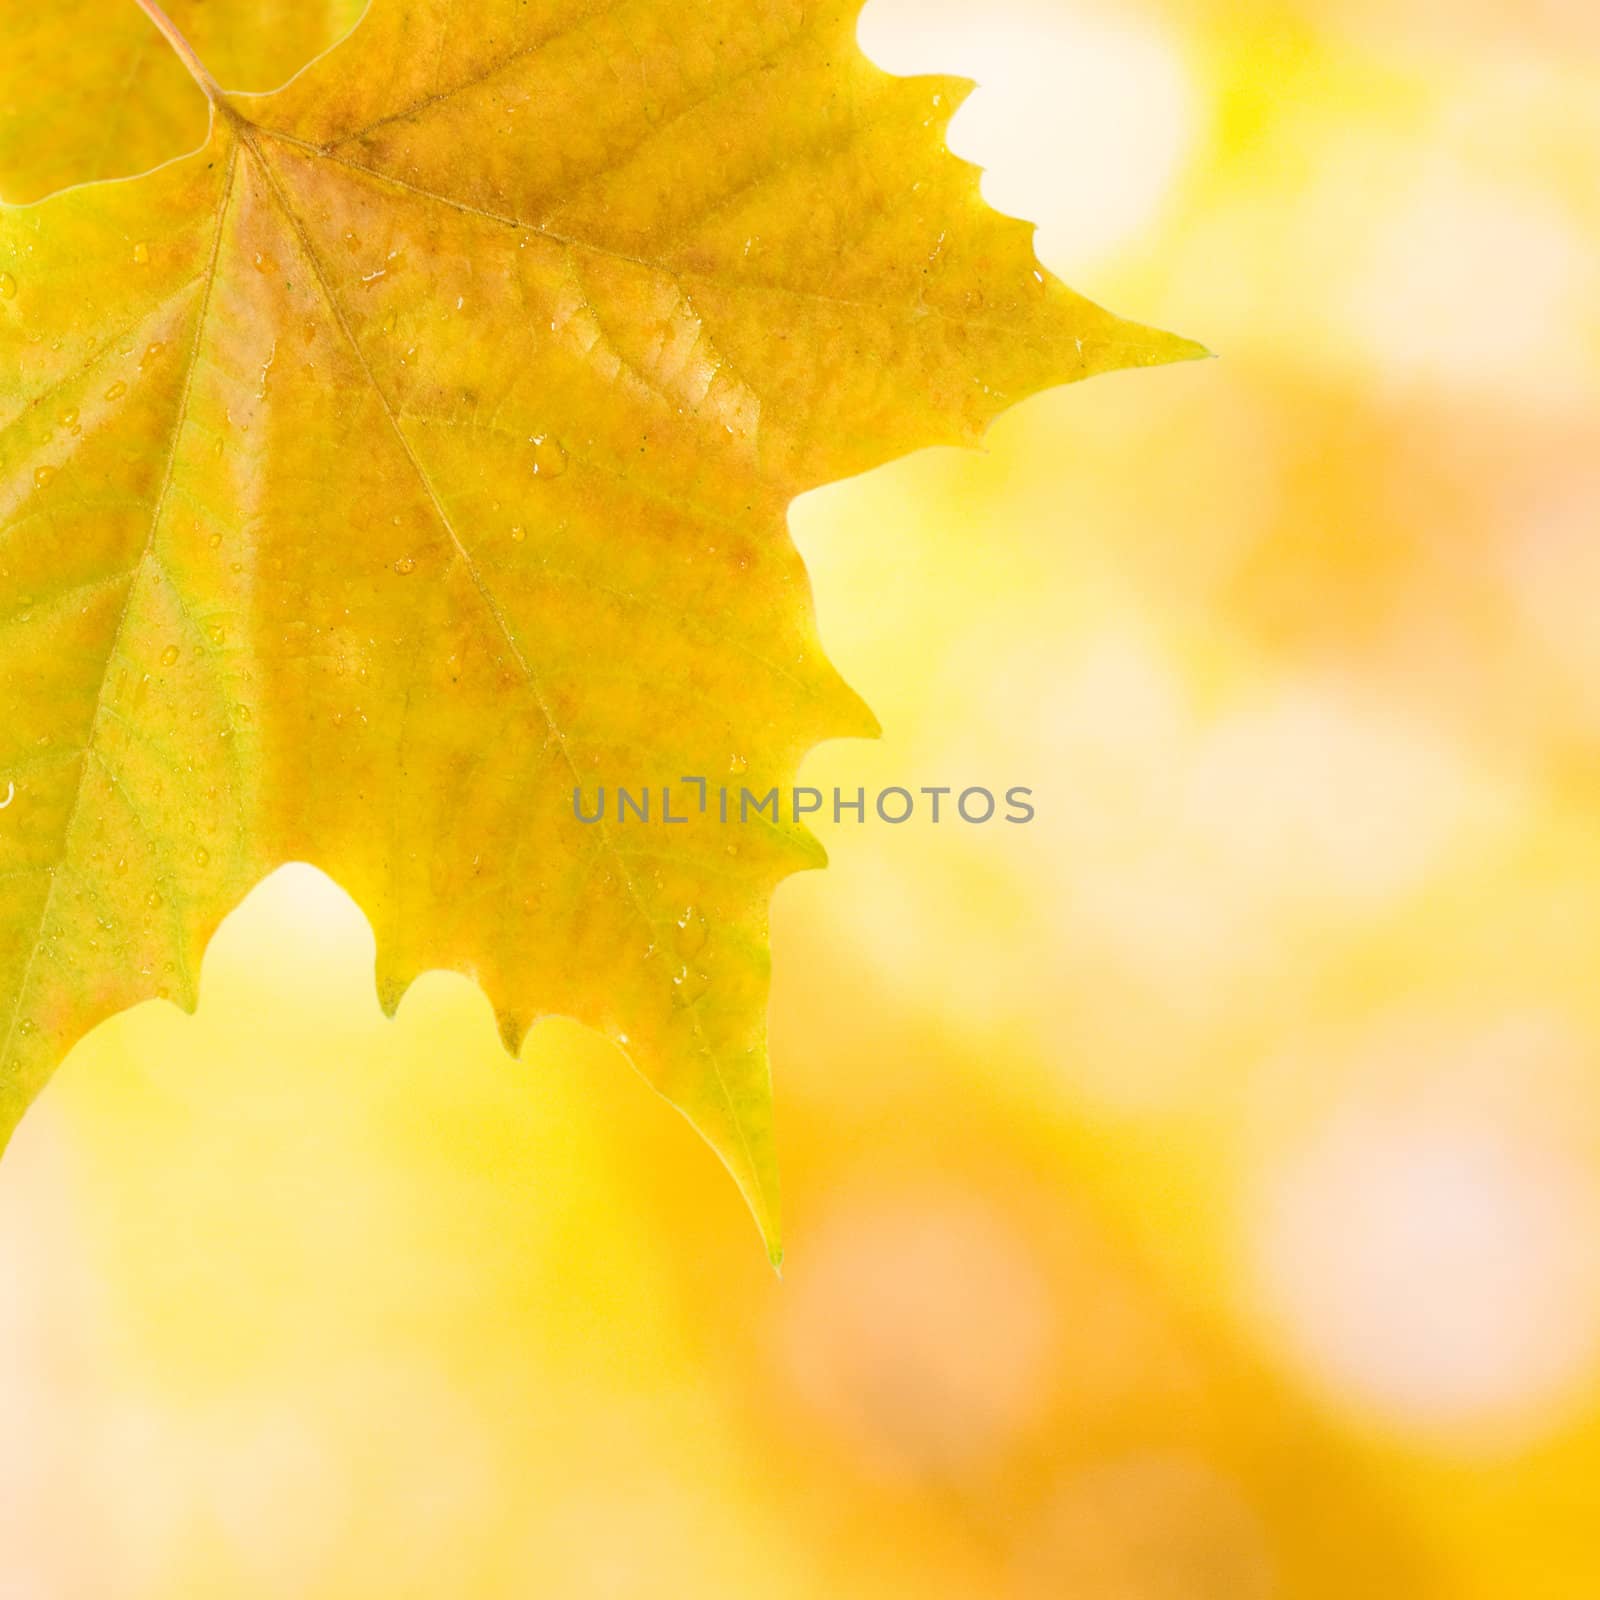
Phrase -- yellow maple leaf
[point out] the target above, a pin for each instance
(417, 452)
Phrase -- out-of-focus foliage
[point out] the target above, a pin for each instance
(1192, 1195)
(414, 455)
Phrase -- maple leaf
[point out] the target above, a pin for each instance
(419, 449)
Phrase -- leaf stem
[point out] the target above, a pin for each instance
(183, 50)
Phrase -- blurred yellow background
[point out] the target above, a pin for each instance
(1192, 1196)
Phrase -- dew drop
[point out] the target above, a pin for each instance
(69, 421)
(264, 263)
(214, 633)
(549, 458)
(738, 766)
(8, 286)
(42, 477)
(242, 715)
(153, 900)
(405, 566)
(116, 391)
(688, 984)
(518, 534)
(169, 656)
(152, 353)
(121, 866)
(141, 254)
(202, 857)
(691, 932)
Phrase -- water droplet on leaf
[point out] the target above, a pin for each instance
(691, 931)
(549, 457)
(688, 984)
